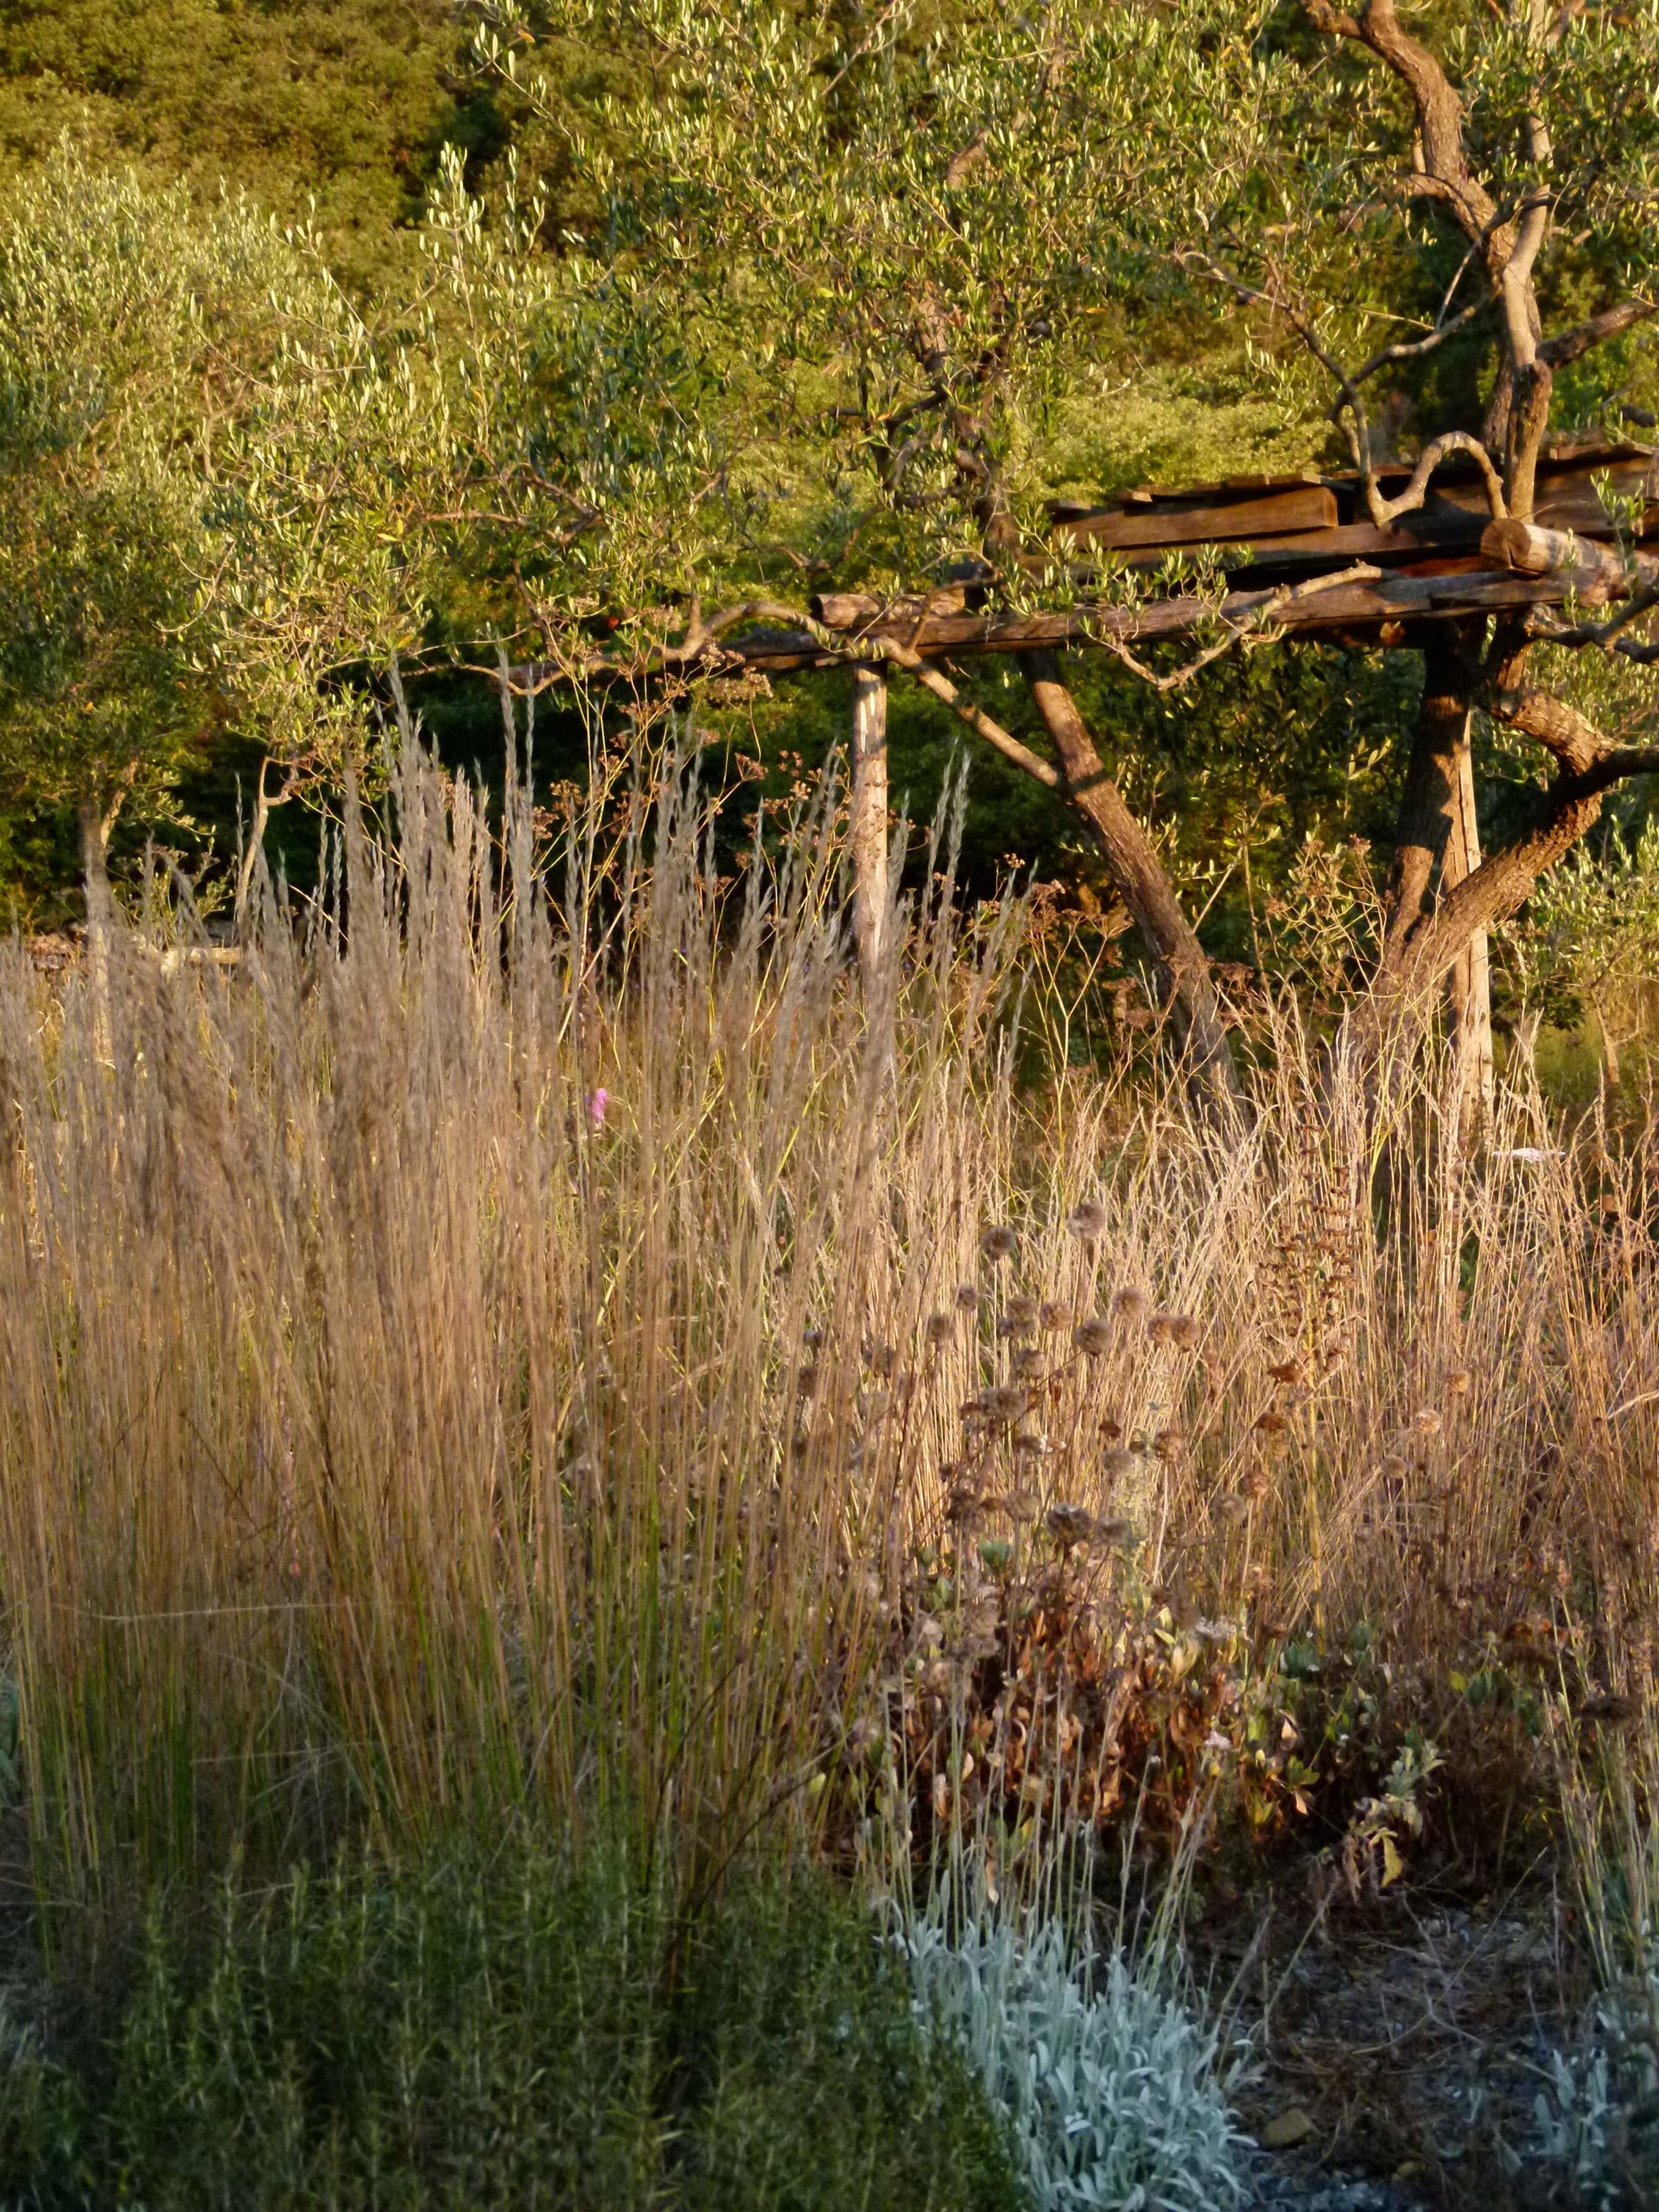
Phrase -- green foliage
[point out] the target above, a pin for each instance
(128, 325)
(344, 107)
(501, 2029)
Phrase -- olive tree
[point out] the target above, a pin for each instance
(124, 319)
(906, 229)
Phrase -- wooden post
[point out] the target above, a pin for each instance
(1470, 983)
(869, 827)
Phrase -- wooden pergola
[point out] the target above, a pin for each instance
(1311, 550)
(1383, 562)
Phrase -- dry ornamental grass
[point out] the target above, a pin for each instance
(536, 1338)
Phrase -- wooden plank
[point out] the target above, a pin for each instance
(1308, 507)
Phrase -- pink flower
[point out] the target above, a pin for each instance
(596, 1105)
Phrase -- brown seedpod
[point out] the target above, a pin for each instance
(1093, 1338)
(998, 1244)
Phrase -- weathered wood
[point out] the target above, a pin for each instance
(1470, 983)
(867, 829)
(1169, 523)
(1593, 570)
(1138, 875)
(1389, 599)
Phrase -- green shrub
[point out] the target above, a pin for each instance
(518, 2036)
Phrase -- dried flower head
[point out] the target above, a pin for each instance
(1019, 1505)
(939, 1328)
(1054, 1316)
(1118, 1463)
(1069, 1524)
(1020, 1313)
(1086, 1221)
(967, 1298)
(1229, 1508)
(1029, 1445)
(1167, 1443)
(1459, 1382)
(1004, 1403)
(1111, 1531)
(1271, 1423)
(1286, 1370)
(1185, 1332)
(1426, 1421)
(1161, 1328)
(1131, 1307)
(1395, 1468)
(999, 1244)
(1027, 1361)
(1093, 1338)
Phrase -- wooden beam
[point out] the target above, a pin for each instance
(1168, 523)
(1593, 570)
(1389, 600)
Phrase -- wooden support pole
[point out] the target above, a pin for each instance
(1138, 876)
(868, 831)
(1470, 983)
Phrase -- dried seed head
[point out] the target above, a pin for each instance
(1271, 1423)
(939, 1328)
(1286, 1370)
(1167, 1443)
(1086, 1221)
(1020, 1505)
(1026, 1360)
(1030, 1445)
(1053, 1316)
(1069, 1524)
(1186, 1332)
(1131, 1307)
(1093, 1338)
(1116, 1532)
(1118, 1463)
(1395, 1468)
(1426, 1421)
(806, 1381)
(1161, 1328)
(1020, 1313)
(1459, 1382)
(1004, 1403)
(999, 1244)
(1229, 1507)
(967, 1299)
